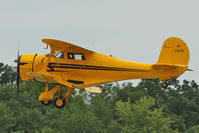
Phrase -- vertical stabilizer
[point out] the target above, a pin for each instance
(174, 52)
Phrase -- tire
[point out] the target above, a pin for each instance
(164, 84)
(59, 103)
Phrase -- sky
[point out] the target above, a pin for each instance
(132, 30)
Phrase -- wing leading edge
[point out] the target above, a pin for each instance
(61, 45)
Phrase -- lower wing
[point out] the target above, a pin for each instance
(57, 79)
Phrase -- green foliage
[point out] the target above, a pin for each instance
(83, 122)
(141, 117)
(102, 110)
(114, 127)
(194, 129)
(7, 119)
(129, 91)
(7, 76)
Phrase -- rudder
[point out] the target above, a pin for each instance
(174, 52)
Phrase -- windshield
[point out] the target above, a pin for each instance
(47, 55)
(57, 54)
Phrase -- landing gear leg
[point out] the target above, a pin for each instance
(164, 84)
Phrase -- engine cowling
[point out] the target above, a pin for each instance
(26, 63)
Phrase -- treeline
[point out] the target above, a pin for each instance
(144, 108)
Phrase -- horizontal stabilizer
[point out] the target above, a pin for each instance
(93, 89)
(167, 66)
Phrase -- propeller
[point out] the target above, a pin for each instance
(17, 70)
(18, 74)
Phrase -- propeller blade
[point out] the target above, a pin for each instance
(18, 61)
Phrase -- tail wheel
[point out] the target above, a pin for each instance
(164, 84)
(46, 102)
(59, 102)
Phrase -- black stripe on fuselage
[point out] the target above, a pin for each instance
(22, 63)
(88, 67)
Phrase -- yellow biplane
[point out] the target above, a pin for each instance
(73, 67)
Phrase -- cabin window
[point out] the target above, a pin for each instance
(58, 54)
(76, 56)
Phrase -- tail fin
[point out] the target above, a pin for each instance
(174, 52)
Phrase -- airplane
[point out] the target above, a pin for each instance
(71, 66)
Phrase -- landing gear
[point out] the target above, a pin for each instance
(164, 84)
(62, 99)
(46, 97)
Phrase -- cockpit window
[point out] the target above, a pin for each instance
(76, 56)
(58, 54)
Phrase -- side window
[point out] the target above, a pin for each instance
(58, 54)
(70, 56)
(76, 56)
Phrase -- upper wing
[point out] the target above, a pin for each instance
(61, 45)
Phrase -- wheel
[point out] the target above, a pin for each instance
(164, 84)
(46, 102)
(59, 103)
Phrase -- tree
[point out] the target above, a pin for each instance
(77, 118)
(102, 110)
(142, 117)
(7, 75)
(194, 129)
(129, 91)
(7, 118)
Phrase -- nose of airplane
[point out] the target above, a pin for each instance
(25, 65)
